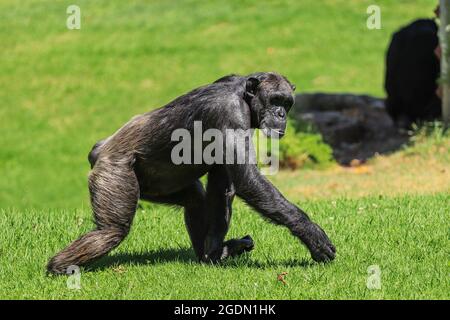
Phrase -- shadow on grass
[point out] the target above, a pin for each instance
(154, 257)
(186, 255)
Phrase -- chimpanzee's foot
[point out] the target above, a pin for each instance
(230, 248)
(235, 247)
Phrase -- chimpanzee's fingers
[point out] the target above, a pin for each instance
(318, 243)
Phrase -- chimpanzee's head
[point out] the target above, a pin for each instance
(270, 97)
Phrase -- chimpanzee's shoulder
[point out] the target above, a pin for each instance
(229, 78)
(226, 90)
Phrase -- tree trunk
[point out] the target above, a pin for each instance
(445, 58)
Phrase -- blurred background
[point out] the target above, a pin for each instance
(62, 90)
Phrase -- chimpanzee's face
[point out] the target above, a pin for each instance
(271, 103)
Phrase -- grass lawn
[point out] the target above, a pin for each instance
(63, 90)
(407, 237)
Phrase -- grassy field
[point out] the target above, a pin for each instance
(407, 237)
(63, 90)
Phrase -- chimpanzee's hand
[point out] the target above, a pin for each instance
(318, 243)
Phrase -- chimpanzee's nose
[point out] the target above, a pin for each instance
(281, 113)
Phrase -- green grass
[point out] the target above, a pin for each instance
(406, 237)
(64, 90)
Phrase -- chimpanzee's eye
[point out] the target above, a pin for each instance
(282, 101)
(278, 101)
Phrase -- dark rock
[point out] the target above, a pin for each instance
(356, 126)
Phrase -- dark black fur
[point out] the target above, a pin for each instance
(412, 71)
(135, 164)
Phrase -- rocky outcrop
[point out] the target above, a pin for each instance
(356, 126)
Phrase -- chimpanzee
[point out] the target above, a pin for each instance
(135, 163)
(412, 71)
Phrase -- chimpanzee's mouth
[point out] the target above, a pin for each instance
(273, 133)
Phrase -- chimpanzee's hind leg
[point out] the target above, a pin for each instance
(219, 198)
(192, 198)
(207, 221)
(114, 196)
(195, 217)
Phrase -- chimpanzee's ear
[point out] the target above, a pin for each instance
(251, 86)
